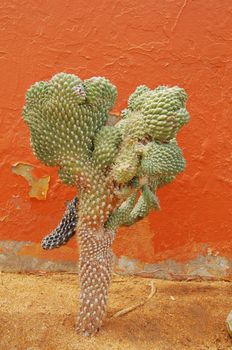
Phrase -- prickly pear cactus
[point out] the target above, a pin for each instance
(116, 169)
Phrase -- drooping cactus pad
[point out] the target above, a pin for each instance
(65, 230)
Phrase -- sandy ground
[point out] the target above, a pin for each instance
(38, 312)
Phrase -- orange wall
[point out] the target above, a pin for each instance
(131, 42)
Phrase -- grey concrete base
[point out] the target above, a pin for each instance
(11, 262)
(205, 267)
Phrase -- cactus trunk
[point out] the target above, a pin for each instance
(95, 269)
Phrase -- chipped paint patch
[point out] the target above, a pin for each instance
(39, 186)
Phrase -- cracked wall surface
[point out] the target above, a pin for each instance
(181, 42)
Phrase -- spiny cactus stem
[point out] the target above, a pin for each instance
(95, 243)
(95, 267)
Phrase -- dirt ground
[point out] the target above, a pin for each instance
(38, 312)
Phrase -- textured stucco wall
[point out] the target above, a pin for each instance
(130, 42)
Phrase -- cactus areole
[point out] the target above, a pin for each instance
(116, 169)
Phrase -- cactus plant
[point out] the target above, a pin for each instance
(116, 169)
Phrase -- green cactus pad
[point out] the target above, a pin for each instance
(162, 160)
(132, 105)
(99, 91)
(120, 216)
(164, 180)
(106, 146)
(162, 110)
(64, 115)
(126, 164)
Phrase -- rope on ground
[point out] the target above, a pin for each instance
(131, 308)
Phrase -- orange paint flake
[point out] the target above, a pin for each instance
(39, 186)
